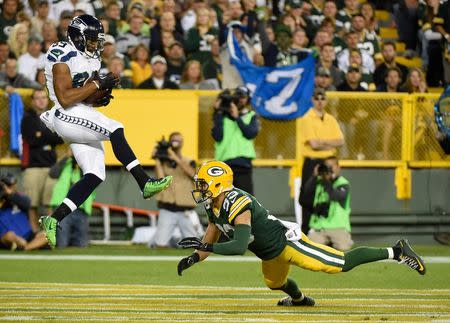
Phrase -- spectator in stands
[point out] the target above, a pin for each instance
(40, 77)
(324, 80)
(330, 9)
(443, 26)
(38, 155)
(366, 41)
(49, 35)
(10, 79)
(8, 18)
(192, 78)
(330, 208)
(234, 130)
(352, 81)
(389, 54)
(33, 60)
(4, 54)
(433, 27)
(366, 77)
(212, 69)
(70, 6)
(176, 206)
(343, 58)
(140, 65)
(167, 24)
(199, 38)
(64, 21)
(15, 230)
(321, 137)
(158, 80)
(415, 81)
(113, 16)
(73, 230)
(282, 53)
(117, 66)
(393, 81)
(321, 38)
(344, 16)
(189, 17)
(128, 40)
(41, 16)
(175, 62)
(371, 21)
(316, 15)
(18, 39)
(110, 51)
(326, 58)
(231, 77)
(407, 22)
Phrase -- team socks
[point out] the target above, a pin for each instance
(78, 193)
(292, 290)
(125, 155)
(362, 255)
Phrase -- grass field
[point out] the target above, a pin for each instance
(134, 283)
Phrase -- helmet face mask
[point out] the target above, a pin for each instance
(201, 192)
(212, 179)
(86, 33)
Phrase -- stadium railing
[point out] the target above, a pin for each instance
(129, 212)
(381, 130)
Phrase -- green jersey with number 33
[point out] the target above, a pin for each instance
(267, 235)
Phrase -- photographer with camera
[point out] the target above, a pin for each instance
(236, 125)
(15, 229)
(176, 206)
(321, 137)
(330, 208)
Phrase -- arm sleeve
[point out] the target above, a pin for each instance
(238, 245)
(251, 130)
(338, 194)
(217, 130)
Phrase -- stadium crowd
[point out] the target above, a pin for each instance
(182, 44)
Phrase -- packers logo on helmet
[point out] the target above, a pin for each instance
(213, 178)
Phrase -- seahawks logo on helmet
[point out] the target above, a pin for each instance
(215, 171)
(84, 29)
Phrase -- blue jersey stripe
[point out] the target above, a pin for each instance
(68, 56)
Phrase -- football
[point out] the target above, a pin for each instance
(99, 94)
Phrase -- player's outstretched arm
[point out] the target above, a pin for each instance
(237, 246)
(212, 234)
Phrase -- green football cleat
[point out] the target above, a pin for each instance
(49, 224)
(154, 186)
(409, 257)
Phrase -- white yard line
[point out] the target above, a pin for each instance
(430, 260)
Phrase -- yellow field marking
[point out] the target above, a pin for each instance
(102, 302)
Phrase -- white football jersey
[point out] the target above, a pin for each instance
(80, 66)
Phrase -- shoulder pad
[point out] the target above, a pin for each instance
(61, 52)
(235, 203)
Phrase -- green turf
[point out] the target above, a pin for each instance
(376, 275)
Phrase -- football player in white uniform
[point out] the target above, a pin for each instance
(71, 71)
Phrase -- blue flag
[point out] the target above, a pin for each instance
(15, 118)
(281, 93)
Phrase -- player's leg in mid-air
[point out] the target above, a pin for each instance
(316, 257)
(86, 128)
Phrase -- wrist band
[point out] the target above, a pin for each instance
(96, 84)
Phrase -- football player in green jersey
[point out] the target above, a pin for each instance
(279, 244)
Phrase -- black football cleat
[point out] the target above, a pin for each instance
(409, 257)
(306, 301)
